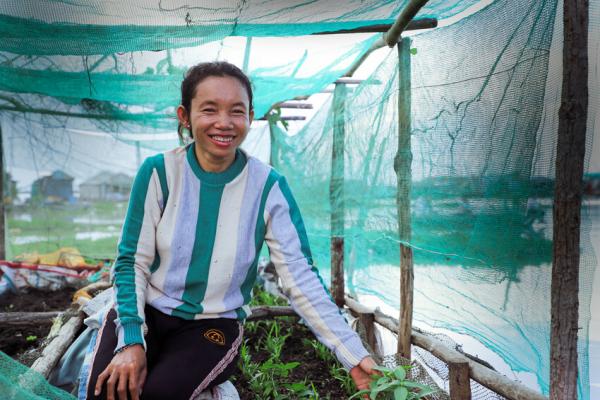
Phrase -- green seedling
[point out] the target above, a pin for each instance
(320, 349)
(393, 384)
(339, 374)
(31, 338)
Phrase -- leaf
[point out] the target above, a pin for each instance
(400, 393)
(400, 373)
(413, 51)
(31, 338)
(415, 385)
(382, 369)
(359, 393)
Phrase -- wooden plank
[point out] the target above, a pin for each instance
(570, 154)
(268, 312)
(336, 195)
(28, 318)
(402, 166)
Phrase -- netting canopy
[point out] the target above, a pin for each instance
(88, 89)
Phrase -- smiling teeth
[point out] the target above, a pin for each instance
(224, 139)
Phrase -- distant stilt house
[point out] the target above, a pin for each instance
(54, 188)
(106, 186)
(9, 190)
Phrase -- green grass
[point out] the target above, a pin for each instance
(45, 229)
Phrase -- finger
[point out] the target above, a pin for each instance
(100, 381)
(142, 379)
(122, 385)
(110, 386)
(133, 385)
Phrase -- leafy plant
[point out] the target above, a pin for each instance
(393, 384)
(322, 352)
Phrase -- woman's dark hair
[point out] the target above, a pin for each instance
(199, 72)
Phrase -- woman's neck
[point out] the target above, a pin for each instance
(209, 163)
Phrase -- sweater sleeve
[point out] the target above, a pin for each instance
(136, 254)
(290, 253)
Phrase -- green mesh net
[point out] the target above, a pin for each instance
(482, 187)
(89, 88)
(17, 382)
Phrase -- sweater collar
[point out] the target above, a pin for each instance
(216, 178)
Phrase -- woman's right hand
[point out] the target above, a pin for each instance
(126, 371)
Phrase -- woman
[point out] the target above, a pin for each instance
(197, 218)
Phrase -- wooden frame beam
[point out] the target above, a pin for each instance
(417, 24)
(391, 37)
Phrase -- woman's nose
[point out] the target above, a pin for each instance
(224, 121)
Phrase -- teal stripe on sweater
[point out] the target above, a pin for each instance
(259, 237)
(206, 229)
(159, 164)
(124, 270)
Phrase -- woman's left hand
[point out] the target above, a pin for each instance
(361, 374)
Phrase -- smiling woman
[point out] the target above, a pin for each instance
(187, 260)
(217, 111)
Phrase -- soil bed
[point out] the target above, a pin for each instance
(314, 371)
(15, 341)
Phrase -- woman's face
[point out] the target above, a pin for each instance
(220, 118)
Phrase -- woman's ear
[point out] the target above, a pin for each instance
(183, 117)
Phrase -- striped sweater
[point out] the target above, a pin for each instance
(191, 241)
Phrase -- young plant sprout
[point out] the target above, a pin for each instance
(393, 384)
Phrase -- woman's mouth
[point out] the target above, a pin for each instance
(222, 140)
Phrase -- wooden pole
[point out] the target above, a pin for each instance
(392, 36)
(460, 383)
(402, 166)
(247, 54)
(2, 216)
(421, 23)
(367, 320)
(336, 196)
(570, 153)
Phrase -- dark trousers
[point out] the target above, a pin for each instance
(183, 357)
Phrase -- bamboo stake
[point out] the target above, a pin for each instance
(402, 166)
(570, 155)
(336, 196)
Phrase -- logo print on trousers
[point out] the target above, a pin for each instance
(215, 336)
